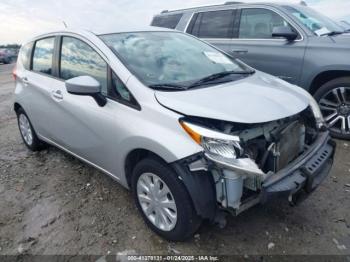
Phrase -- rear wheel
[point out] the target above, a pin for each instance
(27, 131)
(163, 200)
(334, 100)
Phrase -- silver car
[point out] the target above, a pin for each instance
(191, 131)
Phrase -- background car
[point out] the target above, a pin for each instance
(292, 42)
(345, 25)
(7, 56)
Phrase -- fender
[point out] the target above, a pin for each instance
(200, 185)
(307, 79)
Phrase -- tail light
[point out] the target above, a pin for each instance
(14, 73)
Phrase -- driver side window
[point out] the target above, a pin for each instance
(79, 59)
(258, 23)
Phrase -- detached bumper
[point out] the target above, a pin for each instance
(304, 175)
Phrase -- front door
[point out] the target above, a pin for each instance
(78, 123)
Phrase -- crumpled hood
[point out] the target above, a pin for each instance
(255, 99)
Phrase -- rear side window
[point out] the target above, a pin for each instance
(43, 55)
(258, 23)
(25, 54)
(167, 21)
(79, 59)
(213, 24)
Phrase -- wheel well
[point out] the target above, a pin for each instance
(16, 106)
(134, 157)
(325, 77)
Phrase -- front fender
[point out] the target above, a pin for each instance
(169, 149)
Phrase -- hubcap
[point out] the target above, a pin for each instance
(25, 129)
(335, 106)
(156, 201)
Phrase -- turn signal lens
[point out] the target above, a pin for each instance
(195, 136)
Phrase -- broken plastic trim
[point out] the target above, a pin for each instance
(247, 167)
(242, 166)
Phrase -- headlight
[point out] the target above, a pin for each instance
(213, 142)
(316, 111)
(313, 105)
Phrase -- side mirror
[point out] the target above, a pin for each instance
(86, 86)
(284, 31)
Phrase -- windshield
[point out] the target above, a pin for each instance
(169, 58)
(316, 22)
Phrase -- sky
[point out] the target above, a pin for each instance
(22, 19)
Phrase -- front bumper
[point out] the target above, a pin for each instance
(294, 182)
(302, 176)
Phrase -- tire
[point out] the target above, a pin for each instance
(336, 112)
(187, 221)
(34, 144)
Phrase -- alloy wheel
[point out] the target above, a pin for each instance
(335, 107)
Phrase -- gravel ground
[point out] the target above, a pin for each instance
(51, 203)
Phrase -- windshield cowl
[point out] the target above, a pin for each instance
(210, 80)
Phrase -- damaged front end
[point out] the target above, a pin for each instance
(249, 163)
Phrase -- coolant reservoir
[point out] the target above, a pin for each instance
(234, 188)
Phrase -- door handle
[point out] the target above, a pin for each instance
(240, 51)
(25, 80)
(57, 94)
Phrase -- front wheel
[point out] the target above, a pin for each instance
(163, 200)
(334, 100)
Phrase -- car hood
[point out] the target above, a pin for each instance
(256, 99)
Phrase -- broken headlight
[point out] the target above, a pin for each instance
(315, 108)
(316, 112)
(214, 142)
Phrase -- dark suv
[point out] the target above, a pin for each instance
(293, 42)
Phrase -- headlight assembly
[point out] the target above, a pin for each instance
(316, 111)
(213, 142)
(314, 107)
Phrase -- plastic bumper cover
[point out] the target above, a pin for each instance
(304, 175)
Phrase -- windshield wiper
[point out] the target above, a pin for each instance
(332, 33)
(218, 76)
(167, 86)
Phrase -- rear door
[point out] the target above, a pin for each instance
(38, 82)
(255, 45)
(215, 27)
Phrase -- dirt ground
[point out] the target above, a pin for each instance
(51, 203)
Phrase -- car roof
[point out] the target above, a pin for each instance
(84, 32)
(129, 29)
(227, 5)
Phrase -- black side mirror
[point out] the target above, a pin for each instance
(86, 86)
(285, 32)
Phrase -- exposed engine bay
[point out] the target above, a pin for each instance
(264, 150)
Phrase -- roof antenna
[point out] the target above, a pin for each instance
(64, 23)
